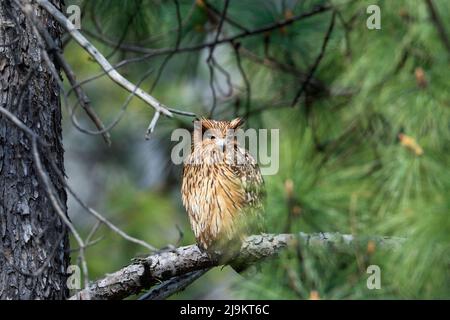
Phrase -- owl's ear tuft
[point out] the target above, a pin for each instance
(206, 123)
(236, 123)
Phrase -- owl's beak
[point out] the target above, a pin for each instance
(221, 143)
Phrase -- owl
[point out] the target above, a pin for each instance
(222, 188)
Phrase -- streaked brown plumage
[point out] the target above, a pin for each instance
(222, 188)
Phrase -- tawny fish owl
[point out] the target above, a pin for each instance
(222, 188)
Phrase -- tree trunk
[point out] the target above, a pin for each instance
(33, 240)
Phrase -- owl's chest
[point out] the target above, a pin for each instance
(207, 181)
(209, 189)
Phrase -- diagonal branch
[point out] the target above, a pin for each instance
(53, 48)
(438, 23)
(211, 57)
(165, 265)
(317, 61)
(58, 208)
(101, 60)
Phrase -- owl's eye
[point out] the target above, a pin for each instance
(212, 137)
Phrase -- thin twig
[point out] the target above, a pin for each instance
(98, 216)
(438, 23)
(183, 113)
(177, 45)
(101, 60)
(88, 244)
(152, 125)
(227, 18)
(227, 76)
(211, 57)
(317, 61)
(248, 87)
(22, 126)
(56, 206)
(150, 52)
(125, 30)
(83, 100)
(118, 117)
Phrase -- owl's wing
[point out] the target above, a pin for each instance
(253, 183)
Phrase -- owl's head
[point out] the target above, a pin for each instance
(214, 133)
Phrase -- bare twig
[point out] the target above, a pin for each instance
(101, 60)
(152, 125)
(438, 23)
(177, 45)
(317, 61)
(83, 100)
(125, 30)
(248, 87)
(21, 125)
(57, 207)
(98, 216)
(118, 117)
(229, 20)
(227, 76)
(82, 244)
(151, 53)
(93, 231)
(211, 83)
(210, 58)
(45, 41)
(183, 113)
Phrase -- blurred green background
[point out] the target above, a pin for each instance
(365, 150)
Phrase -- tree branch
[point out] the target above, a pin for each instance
(101, 60)
(317, 61)
(152, 52)
(438, 23)
(146, 272)
(54, 49)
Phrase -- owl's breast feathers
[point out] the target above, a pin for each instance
(223, 198)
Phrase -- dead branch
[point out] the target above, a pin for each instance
(317, 61)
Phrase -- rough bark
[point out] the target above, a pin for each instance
(145, 272)
(33, 239)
